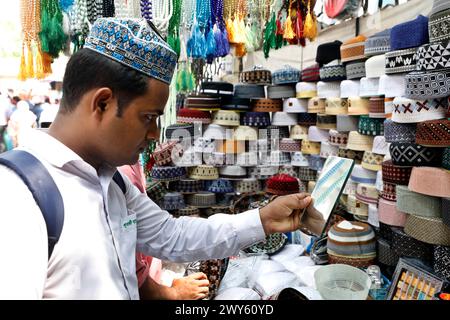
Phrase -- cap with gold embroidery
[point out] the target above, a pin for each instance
(134, 43)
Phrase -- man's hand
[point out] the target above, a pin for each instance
(284, 214)
(192, 287)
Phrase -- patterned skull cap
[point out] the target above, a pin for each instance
(134, 43)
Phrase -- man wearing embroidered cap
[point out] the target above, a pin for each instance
(113, 91)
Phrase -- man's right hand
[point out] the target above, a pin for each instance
(192, 287)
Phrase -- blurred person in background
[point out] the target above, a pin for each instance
(21, 120)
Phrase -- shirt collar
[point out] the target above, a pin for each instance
(58, 154)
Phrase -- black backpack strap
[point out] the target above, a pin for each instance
(42, 187)
(119, 180)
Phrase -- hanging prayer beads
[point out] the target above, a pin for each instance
(146, 9)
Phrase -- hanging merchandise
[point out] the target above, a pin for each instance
(173, 35)
(108, 9)
(210, 44)
(203, 12)
(185, 78)
(269, 36)
(79, 24)
(52, 36)
(127, 9)
(187, 14)
(30, 22)
(219, 28)
(146, 9)
(162, 13)
(310, 27)
(196, 45)
(94, 10)
(66, 4)
(288, 32)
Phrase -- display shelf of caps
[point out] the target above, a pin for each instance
(381, 100)
(361, 100)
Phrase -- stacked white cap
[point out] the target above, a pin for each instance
(368, 87)
(392, 86)
(284, 119)
(328, 89)
(375, 66)
(349, 88)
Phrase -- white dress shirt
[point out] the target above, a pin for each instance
(103, 228)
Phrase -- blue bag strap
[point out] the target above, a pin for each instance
(42, 187)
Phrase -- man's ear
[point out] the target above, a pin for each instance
(102, 101)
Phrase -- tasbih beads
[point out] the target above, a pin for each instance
(79, 23)
(146, 9)
(162, 12)
(203, 12)
(108, 9)
(29, 16)
(187, 14)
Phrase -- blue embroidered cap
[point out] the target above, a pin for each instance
(409, 34)
(134, 43)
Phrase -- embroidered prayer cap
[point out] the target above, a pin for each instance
(256, 119)
(287, 74)
(410, 34)
(290, 145)
(446, 158)
(173, 201)
(428, 85)
(134, 43)
(400, 61)
(295, 105)
(434, 56)
(434, 133)
(338, 138)
(411, 154)
(311, 73)
(282, 184)
(411, 111)
(256, 75)
(439, 21)
(398, 175)
(372, 161)
(327, 52)
(355, 70)
(370, 126)
(353, 49)
(399, 132)
(379, 43)
(186, 115)
(299, 132)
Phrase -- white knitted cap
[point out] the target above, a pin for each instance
(349, 88)
(295, 105)
(392, 86)
(380, 146)
(327, 149)
(375, 66)
(317, 135)
(284, 119)
(368, 87)
(328, 89)
(299, 160)
(411, 111)
(306, 89)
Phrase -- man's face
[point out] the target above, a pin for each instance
(124, 138)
